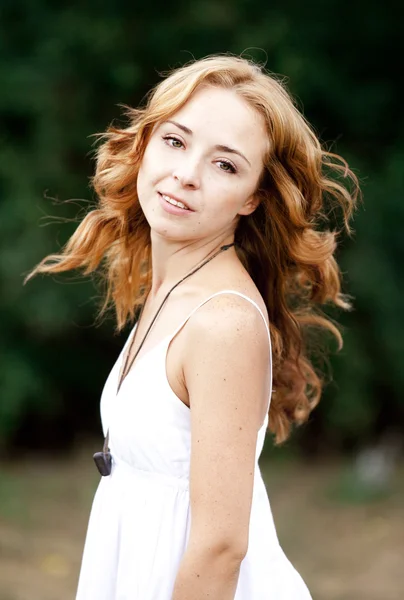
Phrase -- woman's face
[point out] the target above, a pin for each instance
(207, 157)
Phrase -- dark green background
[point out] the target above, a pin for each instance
(65, 67)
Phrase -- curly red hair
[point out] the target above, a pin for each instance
(284, 244)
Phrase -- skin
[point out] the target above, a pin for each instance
(193, 171)
(226, 389)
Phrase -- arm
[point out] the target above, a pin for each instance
(226, 371)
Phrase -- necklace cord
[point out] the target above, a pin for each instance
(126, 367)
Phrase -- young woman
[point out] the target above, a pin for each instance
(212, 222)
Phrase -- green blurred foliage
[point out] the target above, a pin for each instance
(64, 69)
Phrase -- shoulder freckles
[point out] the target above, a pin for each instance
(229, 319)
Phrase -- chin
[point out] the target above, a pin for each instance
(162, 226)
(170, 236)
(168, 231)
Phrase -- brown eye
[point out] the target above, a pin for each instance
(229, 167)
(166, 138)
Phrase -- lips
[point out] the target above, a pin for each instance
(176, 199)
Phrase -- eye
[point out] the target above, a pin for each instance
(166, 138)
(177, 143)
(229, 167)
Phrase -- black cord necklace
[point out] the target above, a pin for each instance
(103, 460)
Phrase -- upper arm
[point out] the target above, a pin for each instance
(226, 372)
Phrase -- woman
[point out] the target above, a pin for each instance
(210, 203)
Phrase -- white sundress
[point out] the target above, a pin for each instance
(140, 518)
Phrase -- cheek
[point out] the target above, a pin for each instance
(228, 197)
(143, 183)
(151, 166)
(222, 205)
(140, 180)
(145, 175)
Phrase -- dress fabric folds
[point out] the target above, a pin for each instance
(140, 518)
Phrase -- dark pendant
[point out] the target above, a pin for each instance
(103, 461)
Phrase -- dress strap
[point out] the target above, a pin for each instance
(248, 300)
(217, 294)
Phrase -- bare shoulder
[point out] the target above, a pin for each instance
(227, 345)
(231, 320)
(226, 372)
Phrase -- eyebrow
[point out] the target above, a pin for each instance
(220, 147)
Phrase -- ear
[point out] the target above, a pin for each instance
(250, 205)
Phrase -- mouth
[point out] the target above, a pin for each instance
(175, 201)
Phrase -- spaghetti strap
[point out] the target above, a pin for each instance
(172, 336)
(217, 294)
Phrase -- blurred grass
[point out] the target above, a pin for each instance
(348, 488)
(345, 541)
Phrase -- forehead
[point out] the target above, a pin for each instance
(220, 116)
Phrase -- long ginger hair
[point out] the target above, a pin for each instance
(285, 244)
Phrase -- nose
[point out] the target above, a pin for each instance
(187, 175)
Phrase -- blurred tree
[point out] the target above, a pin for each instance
(64, 69)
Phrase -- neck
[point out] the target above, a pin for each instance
(171, 261)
